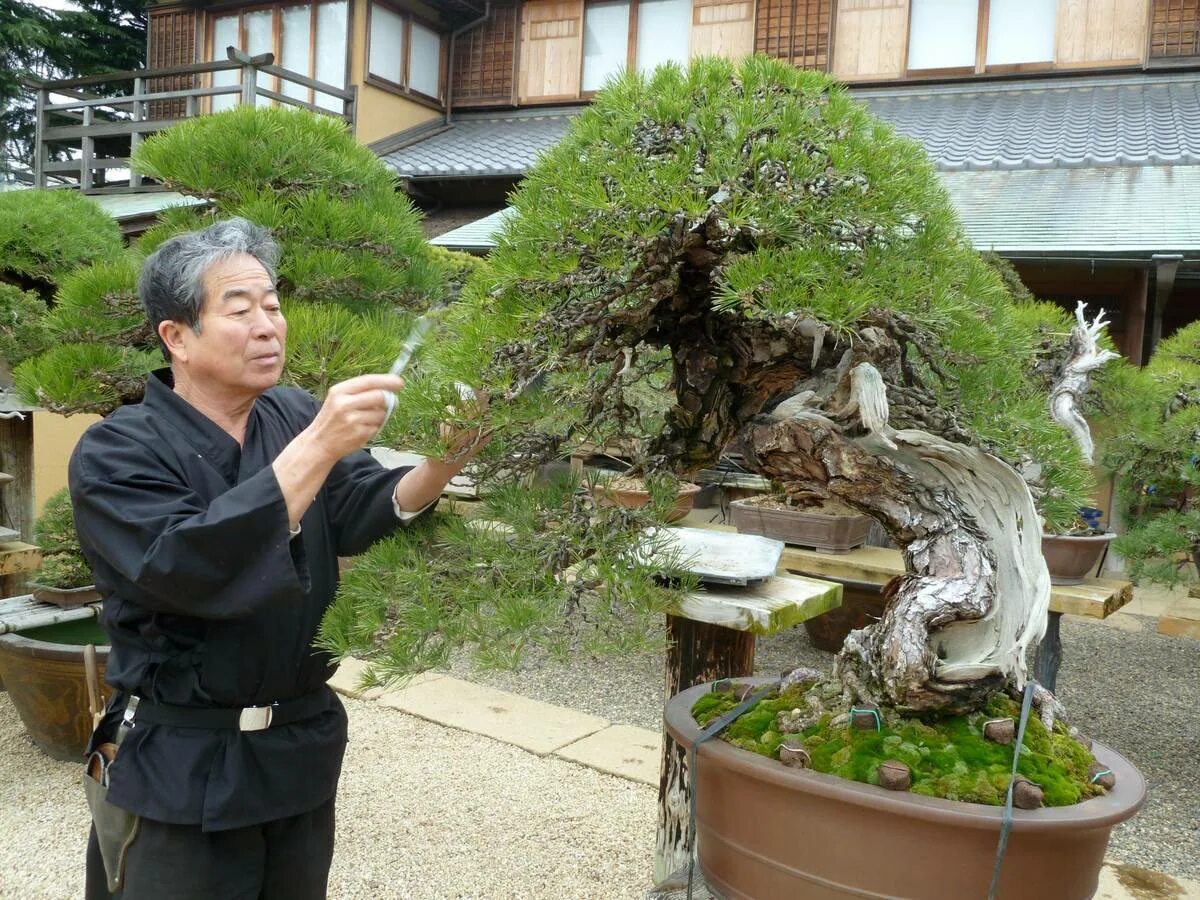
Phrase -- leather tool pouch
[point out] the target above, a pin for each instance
(115, 828)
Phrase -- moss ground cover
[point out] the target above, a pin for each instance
(948, 756)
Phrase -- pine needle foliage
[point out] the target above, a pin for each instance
(329, 343)
(46, 234)
(100, 304)
(815, 211)
(23, 331)
(1153, 447)
(71, 378)
(540, 573)
(63, 565)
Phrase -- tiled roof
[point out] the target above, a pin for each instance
(483, 144)
(1136, 210)
(1116, 120)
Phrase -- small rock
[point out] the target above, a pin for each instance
(894, 775)
(1102, 775)
(739, 689)
(793, 721)
(791, 753)
(865, 718)
(1002, 731)
(1026, 794)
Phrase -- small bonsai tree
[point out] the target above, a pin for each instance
(63, 565)
(1153, 448)
(743, 252)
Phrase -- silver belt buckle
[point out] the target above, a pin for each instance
(255, 718)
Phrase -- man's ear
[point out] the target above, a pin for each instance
(172, 334)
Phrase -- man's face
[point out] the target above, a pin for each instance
(240, 346)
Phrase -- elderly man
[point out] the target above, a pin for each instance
(213, 514)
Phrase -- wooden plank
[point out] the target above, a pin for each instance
(17, 557)
(766, 608)
(1181, 619)
(714, 556)
(551, 49)
(23, 612)
(870, 39)
(723, 29)
(1097, 598)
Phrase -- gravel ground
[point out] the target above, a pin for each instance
(1129, 687)
(423, 812)
(429, 812)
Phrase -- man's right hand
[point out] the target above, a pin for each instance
(352, 414)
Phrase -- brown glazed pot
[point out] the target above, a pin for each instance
(1071, 558)
(827, 532)
(46, 683)
(633, 499)
(862, 605)
(769, 832)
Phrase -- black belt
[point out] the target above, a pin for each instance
(248, 718)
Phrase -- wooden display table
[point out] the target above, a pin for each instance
(873, 567)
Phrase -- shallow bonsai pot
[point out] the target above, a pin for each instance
(43, 672)
(769, 832)
(634, 499)
(1071, 558)
(67, 598)
(828, 532)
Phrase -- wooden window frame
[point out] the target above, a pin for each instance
(403, 89)
(1164, 60)
(631, 40)
(983, 15)
(277, 32)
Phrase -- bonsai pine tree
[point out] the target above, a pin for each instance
(63, 565)
(742, 253)
(354, 269)
(1154, 450)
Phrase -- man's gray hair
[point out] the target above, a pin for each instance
(171, 286)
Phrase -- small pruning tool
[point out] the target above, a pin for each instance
(416, 337)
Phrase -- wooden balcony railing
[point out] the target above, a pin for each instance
(98, 134)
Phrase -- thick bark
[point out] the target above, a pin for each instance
(957, 626)
(697, 652)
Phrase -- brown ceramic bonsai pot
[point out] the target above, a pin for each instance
(43, 672)
(828, 532)
(1071, 558)
(769, 832)
(610, 495)
(862, 605)
(67, 598)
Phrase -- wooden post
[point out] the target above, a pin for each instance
(39, 149)
(249, 84)
(1134, 309)
(88, 145)
(697, 652)
(135, 139)
(16, 459)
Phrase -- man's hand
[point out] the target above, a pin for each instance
(464, 443)
(352, 414)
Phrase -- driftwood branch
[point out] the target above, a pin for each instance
(1066, 395)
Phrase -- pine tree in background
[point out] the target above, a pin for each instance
(1153, 448)
(736, 254)
(355, 266)
(99, 36)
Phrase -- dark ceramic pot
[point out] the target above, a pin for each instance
(43, 672)
(1072, 558)
(769, 832)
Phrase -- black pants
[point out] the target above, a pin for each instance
(287, 859)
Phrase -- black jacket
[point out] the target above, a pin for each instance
(209, 601)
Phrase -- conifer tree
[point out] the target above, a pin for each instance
(736, 254)
(1153, 448)
(354, 267)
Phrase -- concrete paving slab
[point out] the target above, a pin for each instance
(348, 679)
(1181, 618)
(1119, 881)
(633, 753)
(532, 725)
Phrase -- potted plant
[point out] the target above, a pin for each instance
(1152, 448)
(64, 577)
(674, 499)
(825, 525)
(795, 274)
